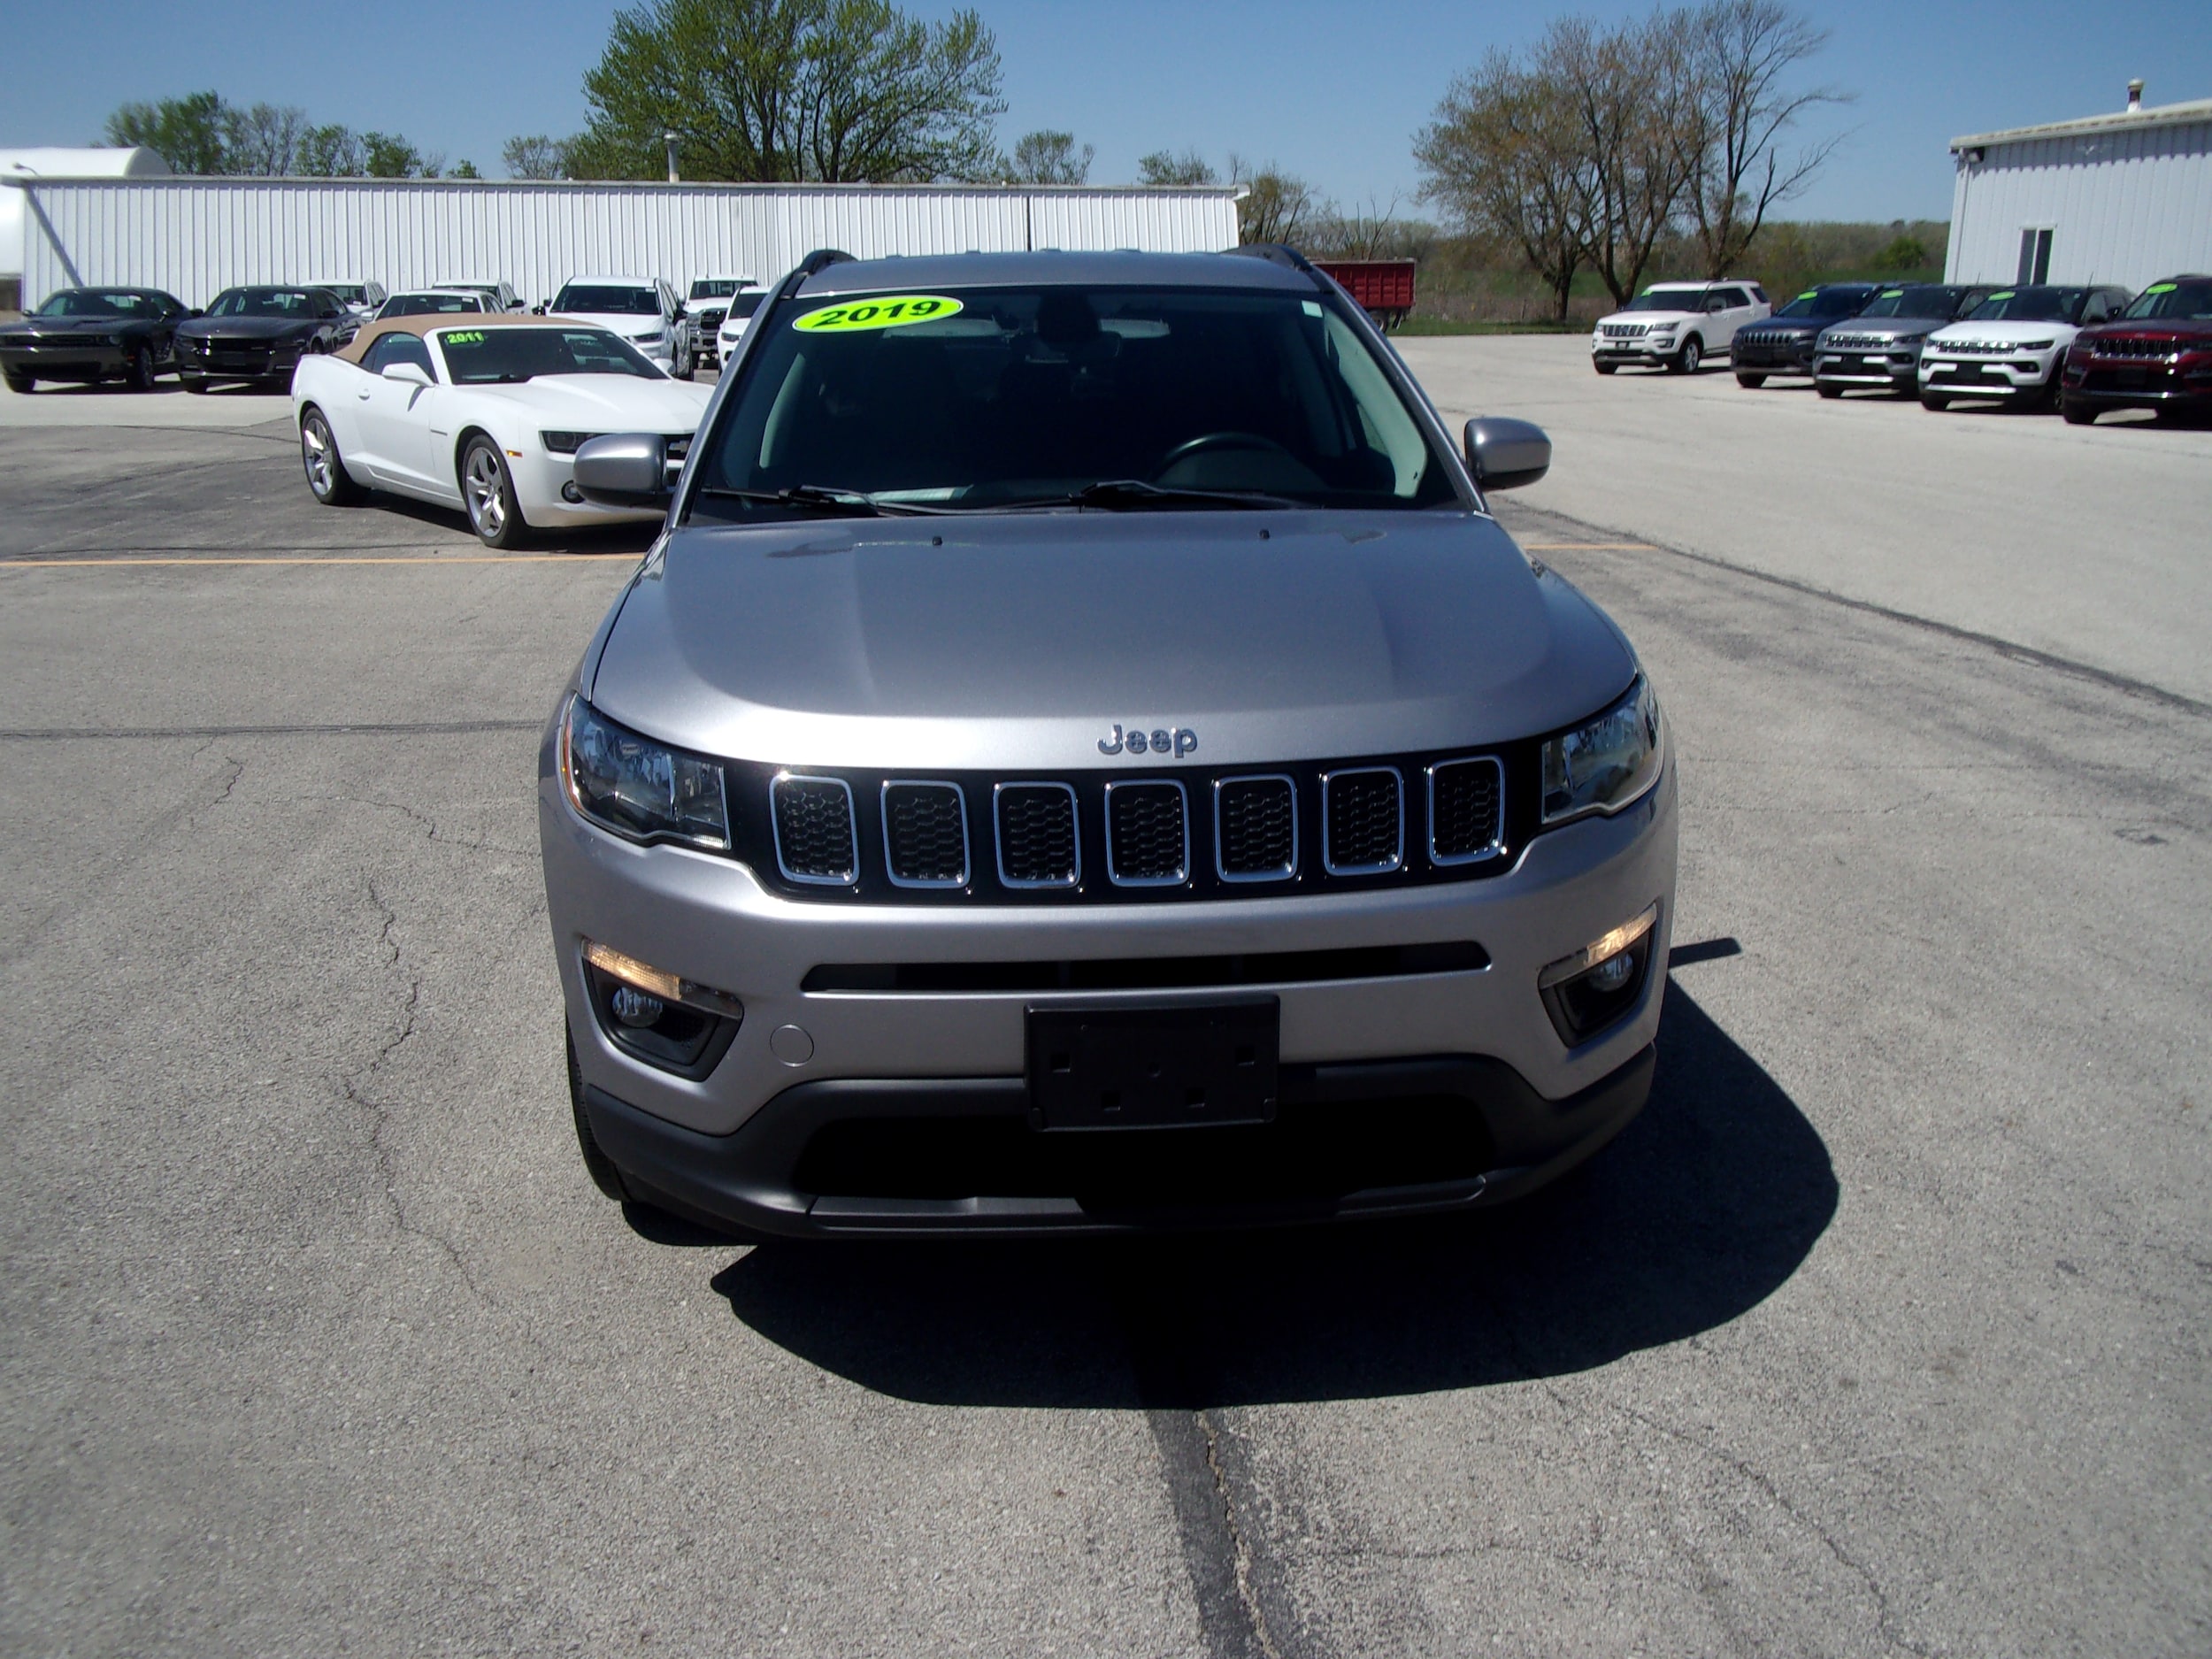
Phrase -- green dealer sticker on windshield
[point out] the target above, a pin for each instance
(2159, 287)
(893, 311)
(464, 336)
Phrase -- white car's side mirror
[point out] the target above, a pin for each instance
(407, 374)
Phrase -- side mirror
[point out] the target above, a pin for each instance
(624, 468)
(1505, 453)
(1715, 305)
(407, 374)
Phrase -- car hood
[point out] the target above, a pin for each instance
(609, 403)
(1885, 327)
(247, 327)
(1652, 317)
(1017, 641)
(2003, 333)
(1791, 325)
(2192, 329)
(623, 323)
(72, 325)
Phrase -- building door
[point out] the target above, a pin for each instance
(2035, 256)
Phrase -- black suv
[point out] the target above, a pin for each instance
(1783, 344)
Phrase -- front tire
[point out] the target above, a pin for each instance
(20, 383)
(327, 476)
(1934, 400)
(1827, 391)
(139, 376)
(686, 366)
(1751, 382)
(1690, 359)
(2077, 412)
(487, 490)
(1605, 368)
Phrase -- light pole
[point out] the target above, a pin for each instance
(670, 139)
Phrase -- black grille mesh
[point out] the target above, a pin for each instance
(1036, 830)
(926, 834)
(1467, 806)
(814, 829)
(1364, 814)
(1258, 819)
(1147, 840)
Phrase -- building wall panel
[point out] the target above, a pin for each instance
(2127, 206)
(195, 237)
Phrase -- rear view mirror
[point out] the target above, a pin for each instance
(1506, 454)
(624, 468)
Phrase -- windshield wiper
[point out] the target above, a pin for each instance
(829, 498)
(1134, 494)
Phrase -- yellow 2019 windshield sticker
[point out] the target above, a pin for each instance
(893, 310)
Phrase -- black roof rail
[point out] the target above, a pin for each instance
(822, 258)
(1276, 253)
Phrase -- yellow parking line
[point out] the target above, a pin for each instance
(436, 558)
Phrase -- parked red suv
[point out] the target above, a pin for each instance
(2156, 355)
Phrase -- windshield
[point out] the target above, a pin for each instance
(1667, 299)
(597, 300)
(715, 288)
(990, 397)
(746, 305)
(489, 356)
(298, 303)
(2177, 301)
(429, 304)
(100, 302)
(1827, 302)
(1914, 301)
(2031, 305)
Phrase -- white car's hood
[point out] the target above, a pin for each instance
(1652, 318)
(609, 403)
(2009, 334)
(624, 325)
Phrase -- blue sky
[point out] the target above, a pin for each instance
(1331, 91)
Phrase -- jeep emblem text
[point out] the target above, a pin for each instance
(1180, 741)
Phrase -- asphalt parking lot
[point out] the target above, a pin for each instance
(1883, 1329)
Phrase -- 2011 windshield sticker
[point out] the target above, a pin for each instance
(465, 336)
(893, 310)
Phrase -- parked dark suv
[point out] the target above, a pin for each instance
(1783, 344)
(2157, 355)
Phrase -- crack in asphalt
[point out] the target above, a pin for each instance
(429, 826)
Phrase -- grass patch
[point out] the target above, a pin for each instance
(1418, 325)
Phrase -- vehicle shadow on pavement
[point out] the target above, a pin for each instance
(1705, 1205)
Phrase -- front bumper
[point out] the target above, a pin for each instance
(70, 361)
(1894, 371)
(2184, 385)
(1652, 354)
(1478, 1040)
(1987, 376)
(197, 362)
(1786, 357)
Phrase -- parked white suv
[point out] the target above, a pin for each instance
(643, 310)
(2012, 344)
(735, 320)
(1677, 326)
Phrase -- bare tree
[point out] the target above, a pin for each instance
(1047, 158)
(1741, 52)
(1501, 155)
(263, 141)
(1275, 206)
(1164, 169)
(534, 156)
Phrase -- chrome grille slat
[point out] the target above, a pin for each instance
(1255, 828)
(1147, 834)
(925, 833)
(1362, 820)
(817, 843)
(1036, 834)
(1466, 811)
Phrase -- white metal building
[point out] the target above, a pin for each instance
(196, 236)
(46, 164)
(2124, 198)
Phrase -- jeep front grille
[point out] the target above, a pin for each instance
(1466, 811)
(1363, 821)
(1037, 845)
(816, 842)
(1255, 828)
(2136, 347)
(1148, 834)
(926, 834)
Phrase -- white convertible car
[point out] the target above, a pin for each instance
(483, 413)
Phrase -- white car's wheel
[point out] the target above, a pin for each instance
(326, 474)
(1690, 359)
(489, 492)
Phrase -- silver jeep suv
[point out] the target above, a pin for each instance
(1082, 755)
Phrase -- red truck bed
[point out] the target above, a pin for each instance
(1383, 287)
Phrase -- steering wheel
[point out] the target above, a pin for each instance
(1209, 441)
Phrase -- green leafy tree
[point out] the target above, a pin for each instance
(838, 91)
(188, 133)
(536, 156)
(332, 153)
(465, 169)
(1907, 253)
(1047, 158)
(388, 156)
(1164, 169)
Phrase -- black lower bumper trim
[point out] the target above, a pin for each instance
(932, 1156)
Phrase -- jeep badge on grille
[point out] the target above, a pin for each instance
(1180, 741)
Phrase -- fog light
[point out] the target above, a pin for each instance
(1600, 983)
(570, 494)
(662, 1018)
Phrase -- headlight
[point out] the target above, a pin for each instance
(638, 788)
(1603, 765)
(647, 339)
(2035, 345)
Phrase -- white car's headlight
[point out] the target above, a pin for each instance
(1605, 764)
(638, 789)
(650, 337)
